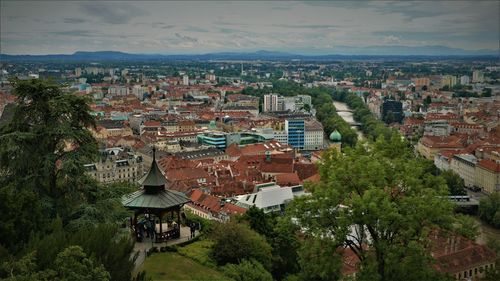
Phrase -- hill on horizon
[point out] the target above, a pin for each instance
(340, 52)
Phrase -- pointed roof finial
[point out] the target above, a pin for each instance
(154, 177)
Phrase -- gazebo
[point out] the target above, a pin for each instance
(155, 200)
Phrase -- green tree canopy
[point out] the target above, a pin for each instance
(235, 242)
(455, 183)
(489, 209)
(379, 201)
(247, 270)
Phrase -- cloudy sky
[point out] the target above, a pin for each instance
(45, 27)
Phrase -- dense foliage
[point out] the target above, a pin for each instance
(455, 183)
(51, 210)
(247, 271)
(235, 242)
(378, 195)
(489, 209)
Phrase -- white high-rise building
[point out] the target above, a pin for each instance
(464, 80)
(185, 80)
(270, 103)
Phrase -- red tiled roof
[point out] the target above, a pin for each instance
(305, 170)
(455, 253)
(489, 165)
(213, 204)
(349, 261)
(152, 124)
(442, 142)
(314, 178)
(287, 179)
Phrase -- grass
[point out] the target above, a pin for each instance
(198, 251)
(173, 266)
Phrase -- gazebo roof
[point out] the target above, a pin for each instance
(154, 194)
(154, 177)
(164, 199)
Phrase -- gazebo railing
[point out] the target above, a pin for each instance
(164, 236)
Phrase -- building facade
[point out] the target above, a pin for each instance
(313, 136)
(465, 166)
(488, 175)
(295, 129)
(117, 164)
(270, 103)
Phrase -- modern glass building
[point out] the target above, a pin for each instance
(295, 129)
(213, 139)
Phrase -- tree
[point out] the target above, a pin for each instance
(427, 101)
(494, 274)
(489, 209)
(48, 201)
(455, 183)
(390, 118)
(486, 92)
(281, 235)
(73, 264)
(380, 201)
(247, 270)
(259, 221)
(319, 260)
(235, 242)
(49, 128)
(285, 247)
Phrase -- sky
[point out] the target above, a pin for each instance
(306, 27)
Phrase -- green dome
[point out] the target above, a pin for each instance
(335, 136)
(212, 125)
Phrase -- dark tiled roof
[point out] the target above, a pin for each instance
(163, 200)
(154, 177)
(110, 124)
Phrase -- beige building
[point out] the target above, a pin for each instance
(448, 80)
(464, 165)
(313, 135)
(111, 128)
(488, 175)
(117, 164)
(429, 146)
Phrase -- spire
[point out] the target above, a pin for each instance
(155, 177)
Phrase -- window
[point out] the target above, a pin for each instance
(465, 274)
(470, 273)
(475, 271)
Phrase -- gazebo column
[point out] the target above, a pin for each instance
(160, 215)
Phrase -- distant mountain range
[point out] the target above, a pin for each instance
(341, 53)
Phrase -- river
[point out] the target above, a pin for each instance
(347, 116)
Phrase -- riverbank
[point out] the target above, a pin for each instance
(486, 232)
(344, 111)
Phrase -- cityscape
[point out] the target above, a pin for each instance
(227, 140)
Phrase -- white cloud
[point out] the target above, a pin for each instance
(187, 27)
